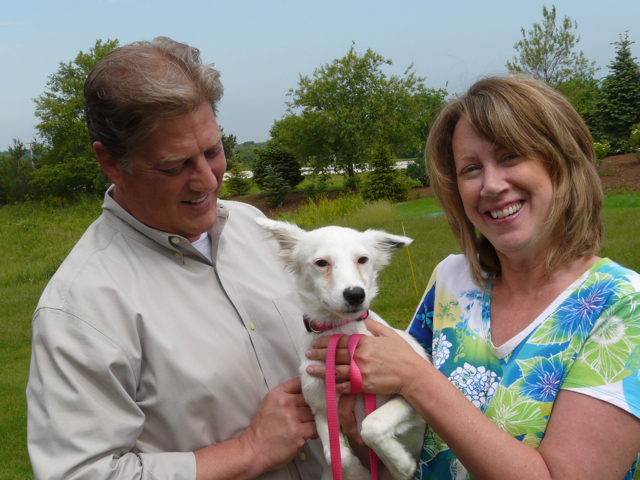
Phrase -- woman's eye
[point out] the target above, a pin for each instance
(321, 263)
(363, 260)
(469, 169)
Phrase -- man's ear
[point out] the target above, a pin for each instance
(110, 166)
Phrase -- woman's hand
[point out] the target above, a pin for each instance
(386, 361)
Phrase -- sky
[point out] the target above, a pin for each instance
(262, 47)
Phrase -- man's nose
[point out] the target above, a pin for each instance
(203, 178)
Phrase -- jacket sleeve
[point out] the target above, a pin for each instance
(83, 421)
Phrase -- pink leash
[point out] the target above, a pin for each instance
(332, 406)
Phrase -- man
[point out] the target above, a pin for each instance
(164, 347)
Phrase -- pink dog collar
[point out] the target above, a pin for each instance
(313, 327)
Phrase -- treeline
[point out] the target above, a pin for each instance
(346, 118)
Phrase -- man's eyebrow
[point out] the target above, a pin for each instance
(169, 159)
(179, 158)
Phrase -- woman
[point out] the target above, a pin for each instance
(535, 340)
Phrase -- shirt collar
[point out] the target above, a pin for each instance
(145, 234)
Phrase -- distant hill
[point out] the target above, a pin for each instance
(246, 152)
(253, 144)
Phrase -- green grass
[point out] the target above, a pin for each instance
(419, 208)
(36, 238)
(622, 202)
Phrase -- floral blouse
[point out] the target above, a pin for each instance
(587, 341)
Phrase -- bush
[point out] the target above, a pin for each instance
(417, 171)
(602, 150)
(351, 184)
(385, 182)
(634, 140)
(322, 211)
(282, 163)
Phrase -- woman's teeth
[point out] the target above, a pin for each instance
(507, 211)
(200, 200)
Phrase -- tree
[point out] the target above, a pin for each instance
(15, 169)
(546, 51)
(229, 143)
(275, 186)
(584, 94)
(246, 151)
(67, 164)
(335, 115)
(238, 181)
(385, 182)
(619, 106)
(281, 162)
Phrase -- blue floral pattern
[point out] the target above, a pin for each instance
(588, 341)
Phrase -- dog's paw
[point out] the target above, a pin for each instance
(404, 471)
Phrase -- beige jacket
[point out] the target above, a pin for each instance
(143, 351)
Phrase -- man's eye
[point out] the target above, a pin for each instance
(171, 171)
(214, 153)
(321, 263)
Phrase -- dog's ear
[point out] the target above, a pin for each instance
(287, 234)
(385, 244)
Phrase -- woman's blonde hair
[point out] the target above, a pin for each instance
(531, 119)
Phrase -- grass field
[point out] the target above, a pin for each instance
(36, 238)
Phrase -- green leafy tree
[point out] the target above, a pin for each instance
(67, 163)
(229, 143)
(336, 114)
(547, 51)
(584, 95)
(384, 182)
(429, 102)
(619, 106)
(281, 161)
(237, 181)
(15, 169)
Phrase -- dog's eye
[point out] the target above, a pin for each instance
(363, 260)
(321, 263)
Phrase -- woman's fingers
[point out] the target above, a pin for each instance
(319, 351)
(342, 372)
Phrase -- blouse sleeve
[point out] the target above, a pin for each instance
(608, 365)
(421, 326)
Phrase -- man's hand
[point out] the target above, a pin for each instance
(279, 429)
(281, 426)
(347, 419)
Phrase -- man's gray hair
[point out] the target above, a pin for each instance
(136, 87)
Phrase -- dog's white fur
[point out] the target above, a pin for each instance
(336, 270)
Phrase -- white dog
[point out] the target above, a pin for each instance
(336, 270)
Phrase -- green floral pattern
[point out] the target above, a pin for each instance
(588, 341)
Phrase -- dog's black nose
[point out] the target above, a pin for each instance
(354, 295)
